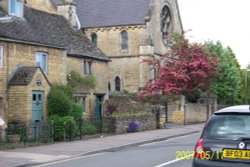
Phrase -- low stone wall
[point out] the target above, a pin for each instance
(195, 113)
(120, 124)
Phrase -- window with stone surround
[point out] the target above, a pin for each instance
(117, 84)
(94, 39)
(16, 7)
(42, 61)
(87, 67)
(1, 57)
(124, 40)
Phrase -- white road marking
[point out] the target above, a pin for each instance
(157, 142)
(174, 161)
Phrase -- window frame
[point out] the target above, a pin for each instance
(16, 7)
(87, 67)
(38, 53)
(1, 57)
(94, 39)
(124, 40)
(117, 84)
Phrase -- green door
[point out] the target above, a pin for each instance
(98, 107)
(37, 106)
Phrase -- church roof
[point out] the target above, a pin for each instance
(51, 30)
(104, 13)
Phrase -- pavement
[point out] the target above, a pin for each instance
(32, 156)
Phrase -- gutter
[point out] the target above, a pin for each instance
(90, 57)
(31, 43)
(5, 19)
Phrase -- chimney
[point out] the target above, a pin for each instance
(68, 9)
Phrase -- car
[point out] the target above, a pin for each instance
(225, 139)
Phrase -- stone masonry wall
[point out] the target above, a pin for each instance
(109, 39)
(195, 113)
(118, 125)
(25, 55)
(20, 99)
(15, 54)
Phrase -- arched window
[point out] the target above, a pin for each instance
(124, 40)
(117, 84)
(94, 39)
(166, 24)
(109, 86)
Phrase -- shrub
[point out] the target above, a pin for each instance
(59, 125)
(77, 110)
(89, 129)
(75, 79)
(111, 108)
(59, 101)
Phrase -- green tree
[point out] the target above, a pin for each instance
(245, 89)
(227, 85)
(60, 101)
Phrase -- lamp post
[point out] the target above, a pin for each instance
(246, 87)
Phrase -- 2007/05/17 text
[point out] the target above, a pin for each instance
(207, 155)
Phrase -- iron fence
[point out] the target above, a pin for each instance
(46, 132)
(31, 132)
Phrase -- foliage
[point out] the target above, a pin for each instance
(77, 110)
(60, 101)
(227, 85)
(76, 81)
(131, 114)
(111, 108)
(89, 129)
(245, 89)
(59, 125)
(188, 69)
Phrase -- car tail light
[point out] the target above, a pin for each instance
(199, 150)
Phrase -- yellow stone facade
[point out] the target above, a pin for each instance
(100, 72)
(16, 100)
(143, 40)
(124, 64)
(43, 5)
(20, 98)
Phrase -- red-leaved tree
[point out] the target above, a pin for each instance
(187, 69)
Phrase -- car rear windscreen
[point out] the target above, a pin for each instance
(228, 127)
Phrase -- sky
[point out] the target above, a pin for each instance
(224, 20)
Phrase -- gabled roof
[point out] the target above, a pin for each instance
(24, 75)
(105, 13)
(51, 30)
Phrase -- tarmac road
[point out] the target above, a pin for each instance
(158, 154)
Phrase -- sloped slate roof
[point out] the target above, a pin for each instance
(24, 75)
(103, 13)
(52, 30)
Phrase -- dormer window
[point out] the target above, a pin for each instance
(16, 8)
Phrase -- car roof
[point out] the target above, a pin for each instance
(234, 109)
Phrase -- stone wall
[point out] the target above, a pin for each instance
(124, 64)
(43, 5)
(100, 72)
(109, 39)
(150, 116)
(179, 111)
(15, 54)
(195, 113)
(118, 125)
(20, 99)
(23, 54)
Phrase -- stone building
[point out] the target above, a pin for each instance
(38, 49)
(126, 31)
